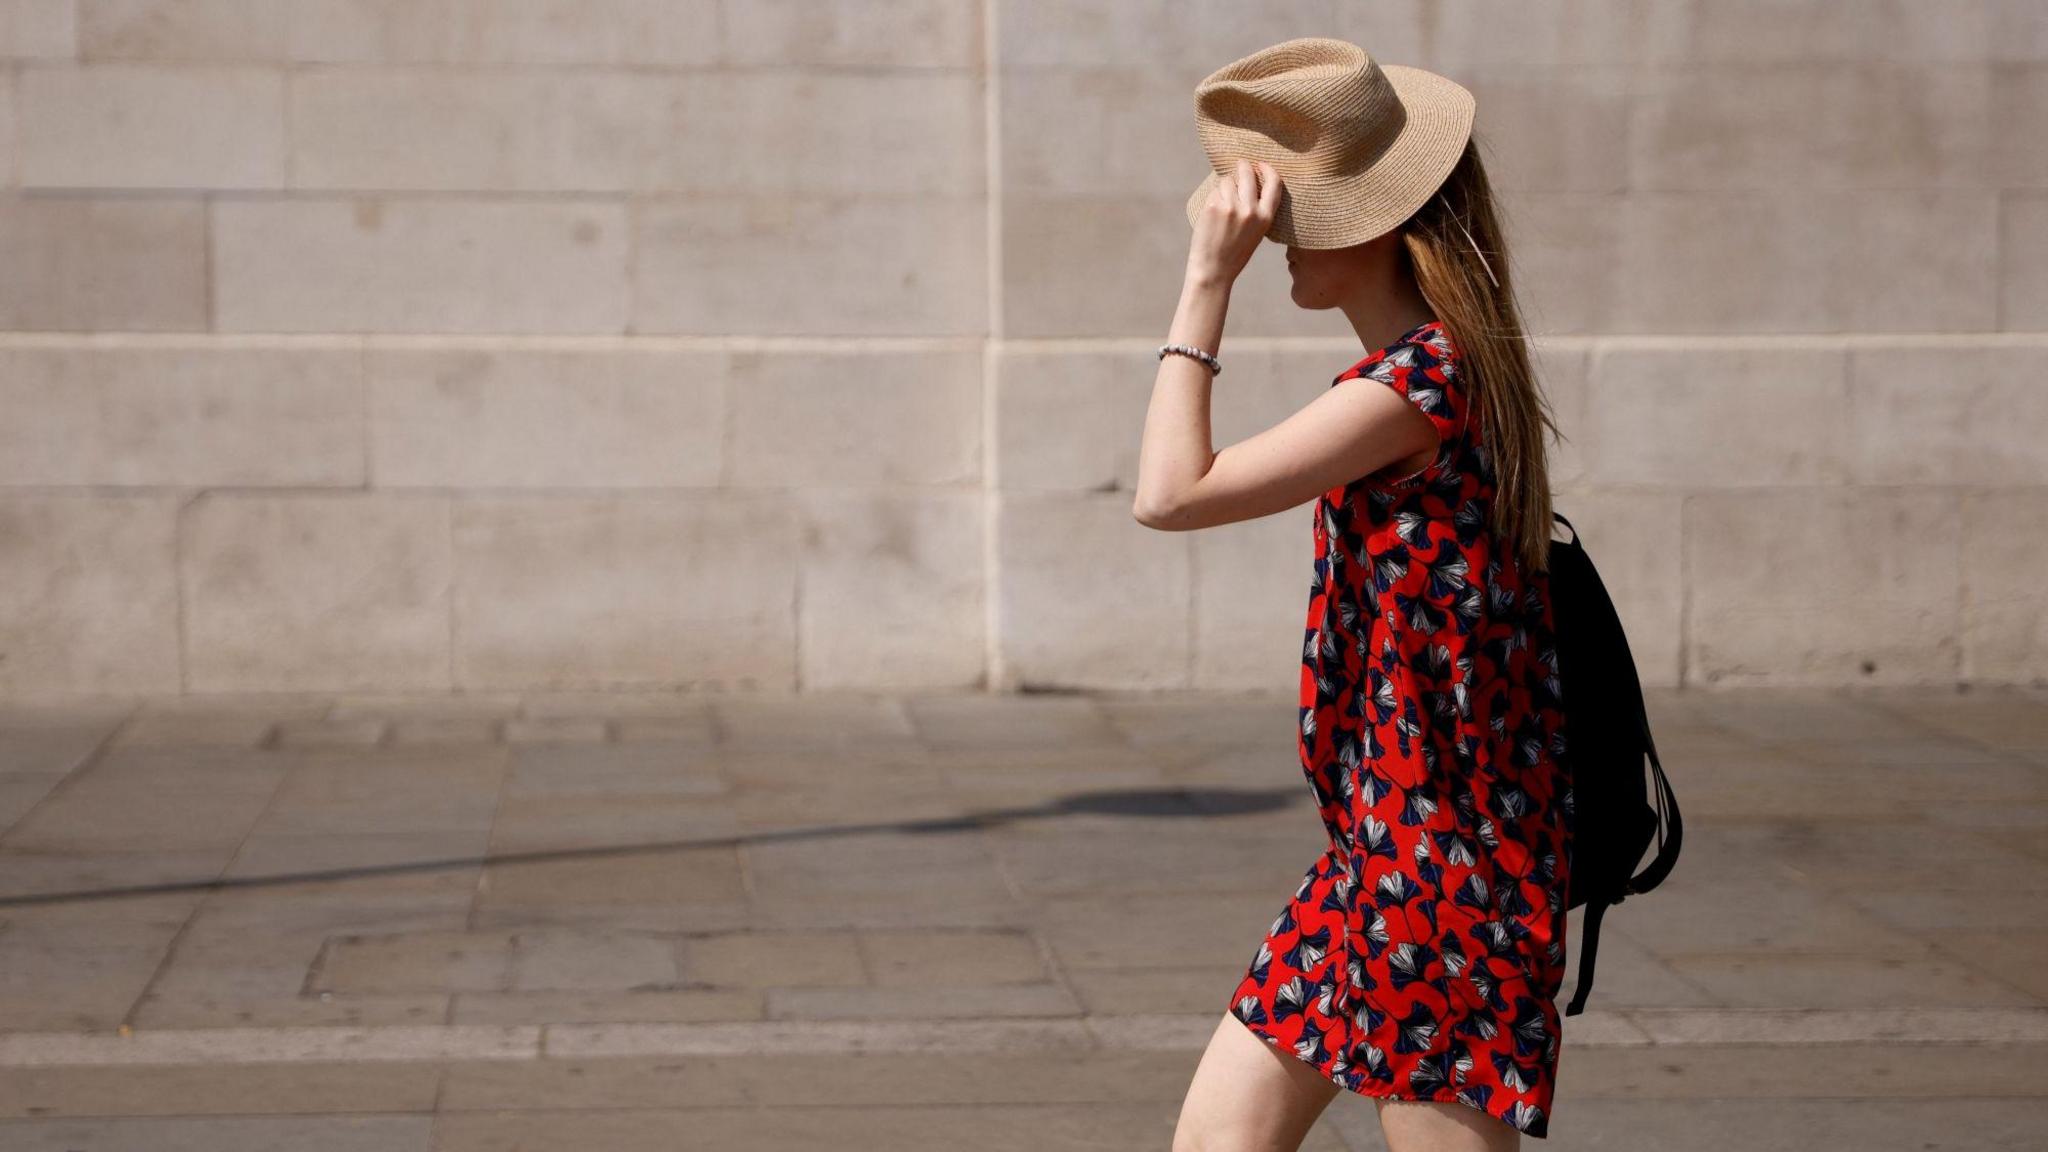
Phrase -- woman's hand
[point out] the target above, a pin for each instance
(1239, 211)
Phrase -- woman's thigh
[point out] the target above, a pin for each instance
(1249, 1096)
(1443, 1126)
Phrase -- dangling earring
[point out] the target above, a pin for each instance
(1456, 219)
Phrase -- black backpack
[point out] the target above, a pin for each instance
(1606, 740)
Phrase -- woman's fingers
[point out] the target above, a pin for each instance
(1269, 191)
(1251, 188)
(1240, 211)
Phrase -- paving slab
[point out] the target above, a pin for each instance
(222, 1134)
(938, 1002)
(991, 1128)
(924, 958)
(635, 1006)
(830, 1078)
(163, 1091)
(236, 1006)
(1844, 981)
(818, 957)
(414, 962)
(555, 730)
(327, 732)
(205, 729)
(442, 731)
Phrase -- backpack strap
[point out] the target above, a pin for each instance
(1671, 826)
(1589, 945)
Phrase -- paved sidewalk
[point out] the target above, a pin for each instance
(939, 922)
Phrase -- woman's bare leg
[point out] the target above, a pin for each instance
(1249, 1096)
(1443, 1126)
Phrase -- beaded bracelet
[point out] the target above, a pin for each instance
(1215, 368)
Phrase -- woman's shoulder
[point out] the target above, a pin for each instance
(1426, 348)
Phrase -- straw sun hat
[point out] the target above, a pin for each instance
(1359, 145)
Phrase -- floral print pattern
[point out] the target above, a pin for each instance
(1422, 953)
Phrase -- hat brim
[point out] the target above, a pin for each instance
(1341, 211)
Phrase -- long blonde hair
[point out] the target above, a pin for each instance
(1456, 249)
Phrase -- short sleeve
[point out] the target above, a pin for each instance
(1422, 367)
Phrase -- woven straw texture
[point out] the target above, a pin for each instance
(1359, 145)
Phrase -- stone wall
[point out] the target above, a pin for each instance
(482, 345)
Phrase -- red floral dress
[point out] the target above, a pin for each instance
(1422, 954)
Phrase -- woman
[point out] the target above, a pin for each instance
(1419, 961)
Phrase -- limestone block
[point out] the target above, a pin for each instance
(1695, 32)
(1564, 131)
(1790, 260)
(88, 263)
(1195, 36)
(781, 265)
(2019, 116)
(1856, 125)
(1561, 368)
(1086, 34)
(1089, 597)
(405, 129)
(851, 33)
(1563, 248)
(1823, 586)
(629, 592)
(88, 594)
(774, 130)
(38, 30)
(1718, 415)
(1634, 538)
(661, 33)
(1479, 40)
(803, 131)
(1250, 589)
(1397, 31)
(1108, 132)
(2019, 32)
(877, 416)
(316, 592)
(892, 589)
(2005, 613)
(1953, 413)
(213, 31)
(1070, 419)
(1112, 265)
(7, 130)
(419, 265)
(1274, 381)
(148, 126)
(2023, 267)
(485, 416)
(180, 414)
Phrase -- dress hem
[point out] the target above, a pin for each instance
(1372, 1089)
